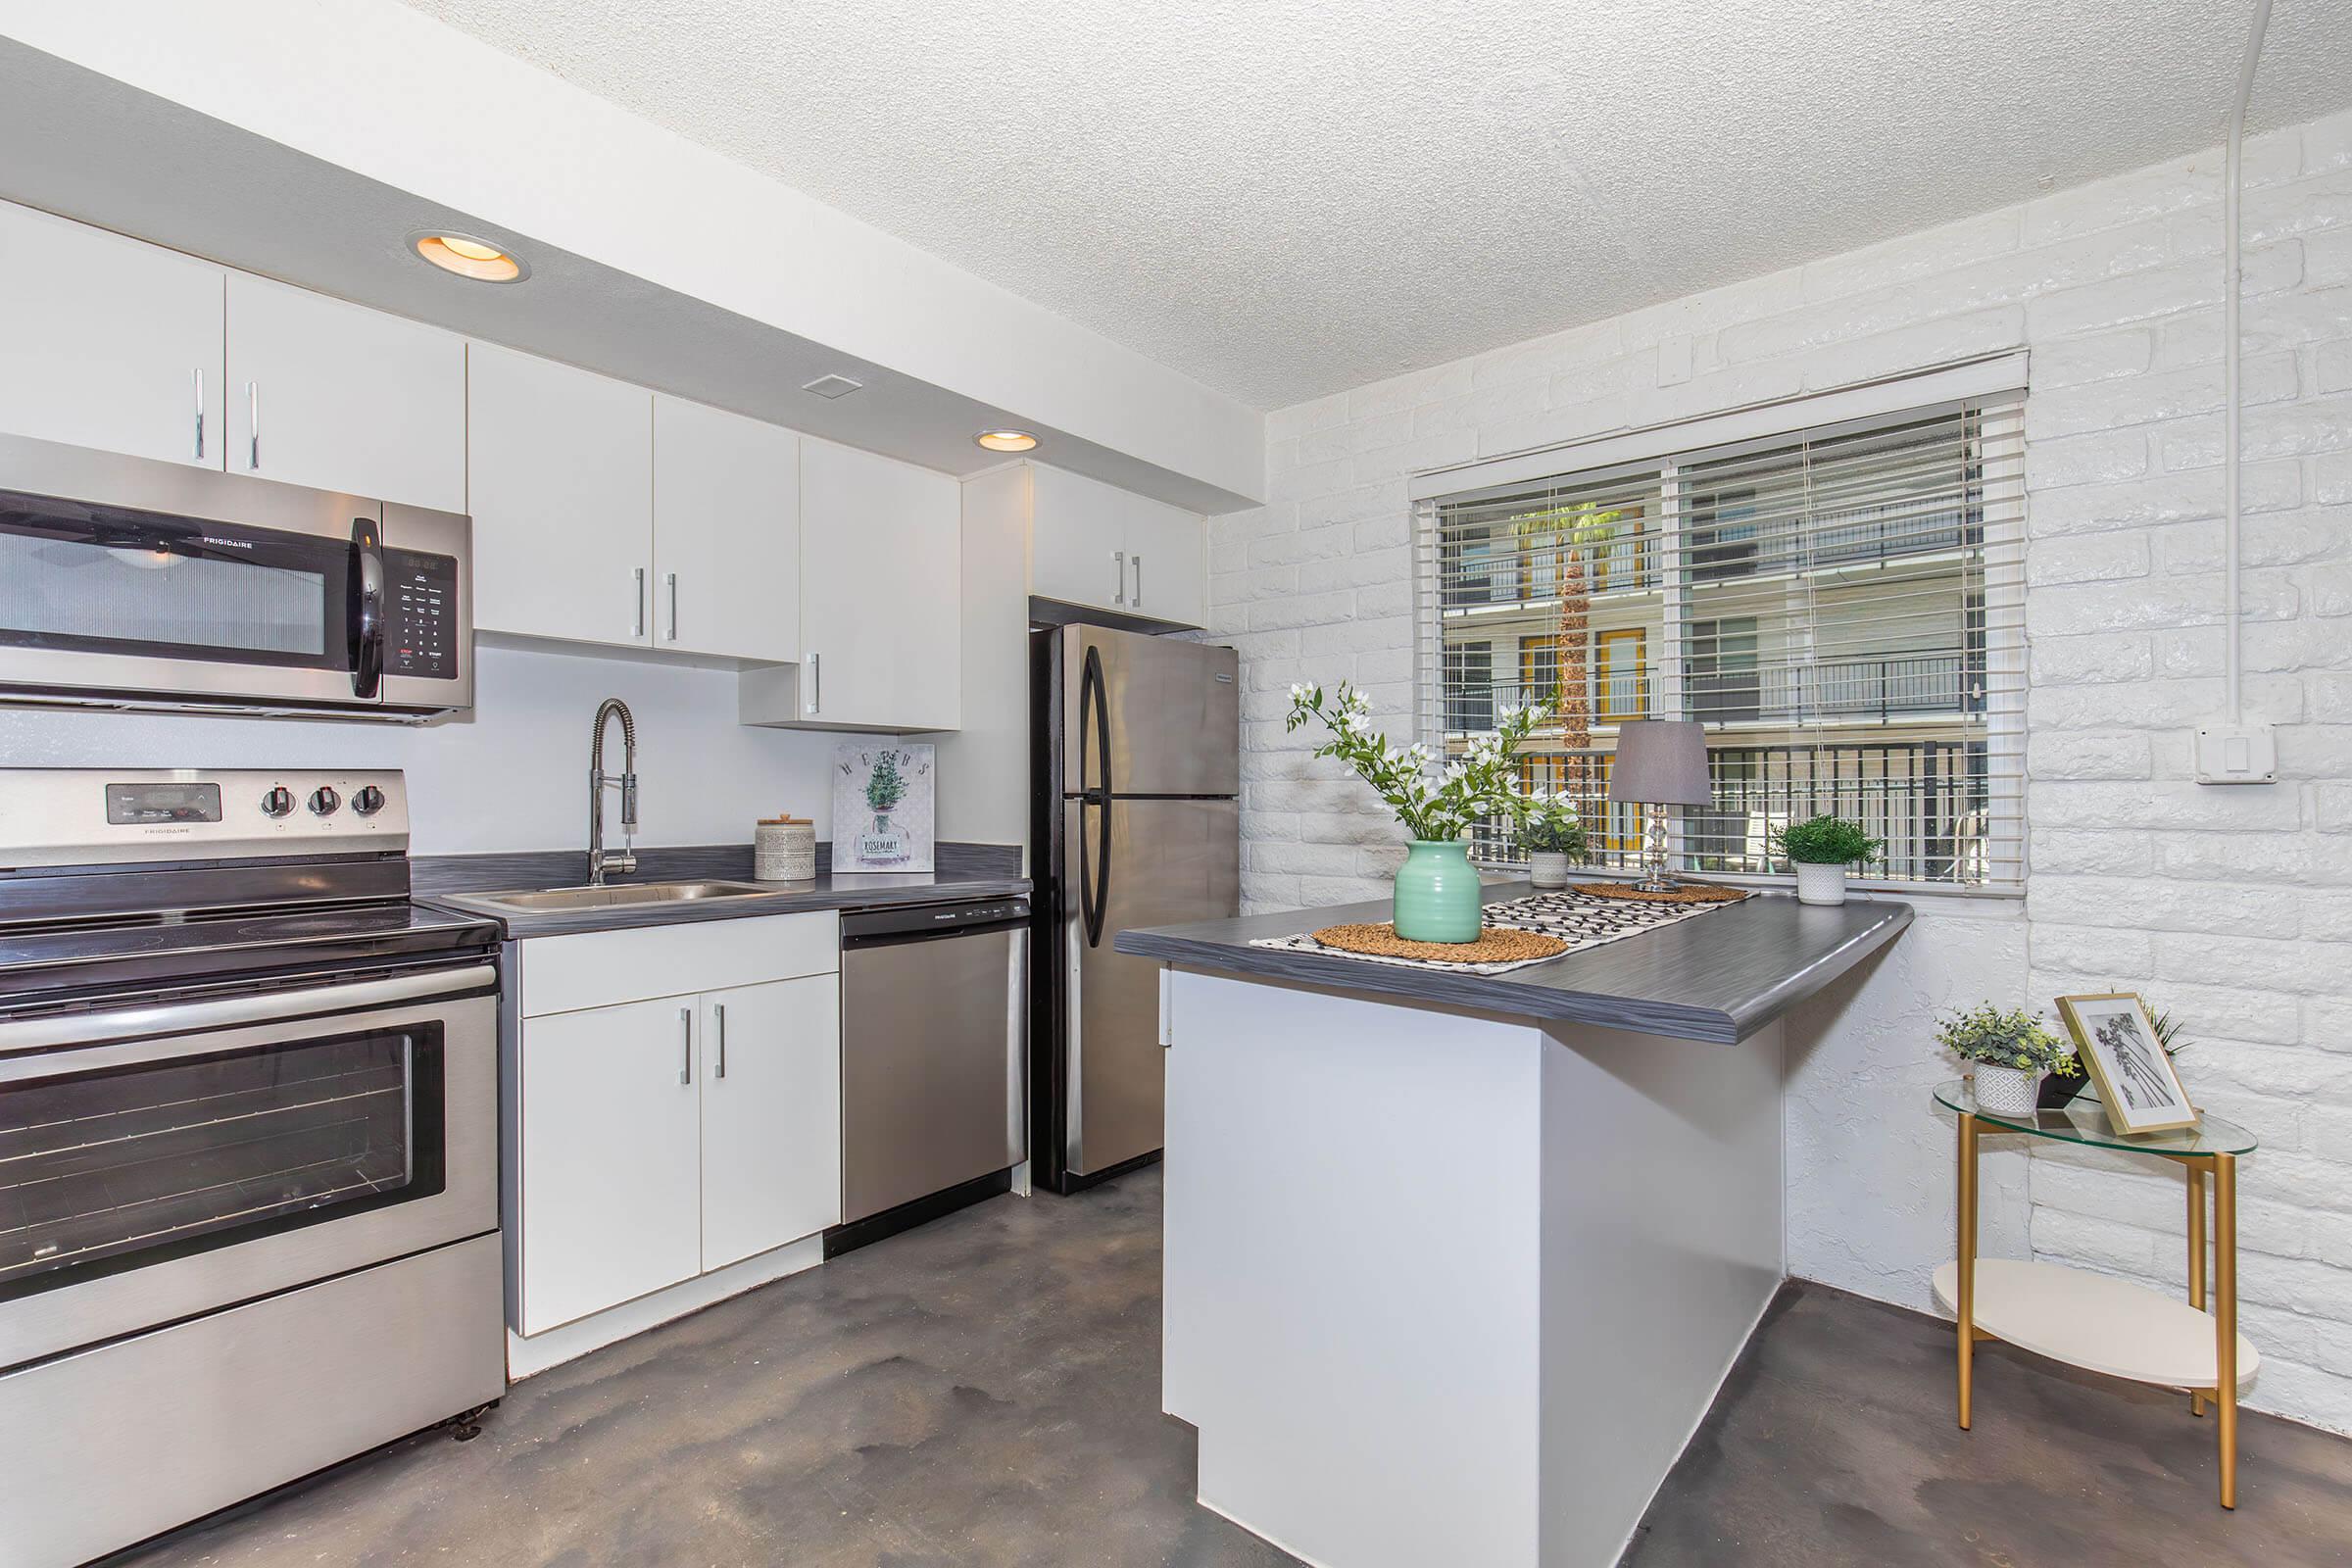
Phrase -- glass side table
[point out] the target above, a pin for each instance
(2091, 1320)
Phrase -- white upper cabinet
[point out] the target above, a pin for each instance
(1095, 545)
(560, 485)
(331, 395)
(881, 599)
(726, 534)
(106, 342)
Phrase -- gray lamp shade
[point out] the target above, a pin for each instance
(1661, 762)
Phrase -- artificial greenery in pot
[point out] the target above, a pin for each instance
(1820, 848)
(2011, 1051)
(2058, 1092)
(1436, 897)
(885, 787)
(1550, 831)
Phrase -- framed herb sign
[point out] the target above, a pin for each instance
(885, 803)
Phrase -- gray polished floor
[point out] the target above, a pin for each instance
(985, 1392)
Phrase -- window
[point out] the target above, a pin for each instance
(1840, 606)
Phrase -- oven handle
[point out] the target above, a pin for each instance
(189, 1017)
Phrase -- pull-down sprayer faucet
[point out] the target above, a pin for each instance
(599, 781)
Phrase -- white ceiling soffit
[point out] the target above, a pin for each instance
(307, 140)
(1285, 198)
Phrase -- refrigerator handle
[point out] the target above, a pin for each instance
(1093, 880)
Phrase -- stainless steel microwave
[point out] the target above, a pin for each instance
(128, 582)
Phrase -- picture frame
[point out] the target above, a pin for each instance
(2117, 1044)
(885, 804)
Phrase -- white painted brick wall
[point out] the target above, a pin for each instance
(2233, 906)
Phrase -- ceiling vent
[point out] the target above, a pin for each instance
(832, 386)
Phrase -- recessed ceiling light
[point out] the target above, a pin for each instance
(1006, 440)
(469, 257)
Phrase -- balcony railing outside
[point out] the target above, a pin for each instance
(1928, 798)
(1895, 686)
(1511, 571)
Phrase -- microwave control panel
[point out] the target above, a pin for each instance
(421, 593)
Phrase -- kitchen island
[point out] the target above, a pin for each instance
(1456, 1262)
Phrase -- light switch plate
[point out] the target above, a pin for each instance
(2237, 753)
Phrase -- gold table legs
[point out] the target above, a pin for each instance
(2224, 1392)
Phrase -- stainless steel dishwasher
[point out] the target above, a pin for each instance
(934, 1035)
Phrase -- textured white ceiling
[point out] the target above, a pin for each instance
(1284, 198)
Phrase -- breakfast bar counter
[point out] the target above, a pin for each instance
(1455, 1263)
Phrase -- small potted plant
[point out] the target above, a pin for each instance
(1821, 849)
(1549, 832)
(1436, 894)
(2011, 1052)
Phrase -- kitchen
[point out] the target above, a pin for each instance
(764, 1125)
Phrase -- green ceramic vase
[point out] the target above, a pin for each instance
(1438, 893)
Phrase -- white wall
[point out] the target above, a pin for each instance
(514, 774)
(2232, 904)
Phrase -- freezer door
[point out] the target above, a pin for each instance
(1166, 715)
(1169, 861)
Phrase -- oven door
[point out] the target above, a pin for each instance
(169, 1160)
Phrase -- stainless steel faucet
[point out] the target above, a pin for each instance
(599, 781)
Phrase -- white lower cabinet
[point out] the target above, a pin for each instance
(660, 1139)
(771, 1115)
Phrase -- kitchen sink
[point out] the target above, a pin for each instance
(617, 894)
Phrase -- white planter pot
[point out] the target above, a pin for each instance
(2006, 1090)
(1546, 868)
(1820, 884)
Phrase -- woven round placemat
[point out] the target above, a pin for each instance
(1687, 893)
(1495, 945)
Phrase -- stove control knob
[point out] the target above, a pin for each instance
(368, 800)
(279, 801)
(323, 802)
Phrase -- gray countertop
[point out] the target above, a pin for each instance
(1719, 976)
(965, 872)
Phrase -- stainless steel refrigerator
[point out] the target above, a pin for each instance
(1136, 767)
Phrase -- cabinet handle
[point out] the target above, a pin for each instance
(674, 606)
(686, 1028)
(637, 627)
(1118, 592)
(1139, 582)
(719, 1025)
(816, 684)
(253, 424)
(200, 413)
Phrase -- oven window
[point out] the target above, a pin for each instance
(106, 1170)
(110, 581)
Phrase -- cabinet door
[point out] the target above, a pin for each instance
(1167, 564)
(1077, 553)
(726, 533)
(881, 593)
(612, 1158)
(560, 485)
(338, 397)
(771, 1115)
(109, 343)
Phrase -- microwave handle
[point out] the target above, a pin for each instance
(365, 614)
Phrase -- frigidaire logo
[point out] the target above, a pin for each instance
(225, 543)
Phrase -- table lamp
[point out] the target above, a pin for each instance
(1660, 763)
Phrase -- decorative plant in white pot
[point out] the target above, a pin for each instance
(1437, 894)
(2011, 1052)
(1821, 849)
(1551, 834)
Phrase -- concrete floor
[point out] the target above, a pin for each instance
(985, 1392)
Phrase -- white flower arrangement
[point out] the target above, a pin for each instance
(1474, 785)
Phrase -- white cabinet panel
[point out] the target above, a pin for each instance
(881, 594)
(560, 482)
(726, 533)
(612, 1158)
(1075, 554)
(1167, 564)
(771, 1115)
(1095, 543)
(598, 968)
(327, 394)
(106, 342)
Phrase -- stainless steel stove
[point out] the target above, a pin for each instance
(248, 1145)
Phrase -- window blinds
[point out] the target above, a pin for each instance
(1840, 606)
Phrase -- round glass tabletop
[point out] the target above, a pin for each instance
(2083, 1120)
